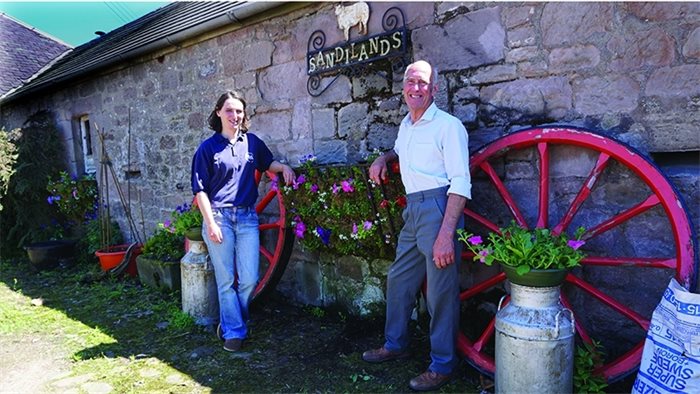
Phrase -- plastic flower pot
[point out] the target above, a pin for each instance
(111, 256)
(536, 277)
(49, 254)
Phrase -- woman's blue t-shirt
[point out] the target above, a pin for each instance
(225, 170)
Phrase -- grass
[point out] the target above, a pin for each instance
(136, 339)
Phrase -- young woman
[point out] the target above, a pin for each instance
(223, 181)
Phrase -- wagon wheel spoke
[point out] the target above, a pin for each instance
(543, 215)
(481, 220)
(650, 262)
(638, 209)
(609, 301)
(504, 193)
(481, 287)
(583, 194)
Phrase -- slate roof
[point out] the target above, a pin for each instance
(164, 27)
(24, 50)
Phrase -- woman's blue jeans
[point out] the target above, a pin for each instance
(236, 263)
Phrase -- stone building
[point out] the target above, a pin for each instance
(630, 71)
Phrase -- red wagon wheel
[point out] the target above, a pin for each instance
(276, 239)
(562, 178)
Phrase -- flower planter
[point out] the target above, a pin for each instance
(535, 277)
(49, 254)
(194, 234)
(164, 275)
(111, 256)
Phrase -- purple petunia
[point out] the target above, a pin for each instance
(298, 182)
(367, 225)
(575, 243)
(314, 188)
(354, 228)
(475, 240)
(347, 186)
(335, 189)
(300, 228)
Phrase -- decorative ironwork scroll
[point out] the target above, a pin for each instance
(354, 57)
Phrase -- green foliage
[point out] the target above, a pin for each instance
(164, 245)
(8, 157)
(74, 198)
(586, 360)
(360, 377)
(179, 320)
(316, 311)
(184, 217)
(40, 156)
(339, 210)
(525, 249)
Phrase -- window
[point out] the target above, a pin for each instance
(86, 137)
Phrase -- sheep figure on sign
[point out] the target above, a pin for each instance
(349, 16)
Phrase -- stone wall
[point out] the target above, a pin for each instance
(628, 70)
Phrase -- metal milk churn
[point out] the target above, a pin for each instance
(534, 343)
(199, 296)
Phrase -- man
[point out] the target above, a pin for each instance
(434, 159)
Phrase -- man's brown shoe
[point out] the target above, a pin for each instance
(382, 354)
(429, 381)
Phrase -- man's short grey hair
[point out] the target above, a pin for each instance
(433, 71)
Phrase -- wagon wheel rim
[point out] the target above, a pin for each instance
(662, 194)
(274, 254)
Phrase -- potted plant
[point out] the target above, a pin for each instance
(534, 257)
(159, 263)
(74, 200)
(187, 221)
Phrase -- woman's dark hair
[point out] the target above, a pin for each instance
(215, 121)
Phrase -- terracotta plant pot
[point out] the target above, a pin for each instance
(49, 254)
(111, 256)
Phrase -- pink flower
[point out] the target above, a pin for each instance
(483, 255)
(336, 189)
(347, 186)
(273, 185)
(475, 240)
(384, 203)
(575, 243)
